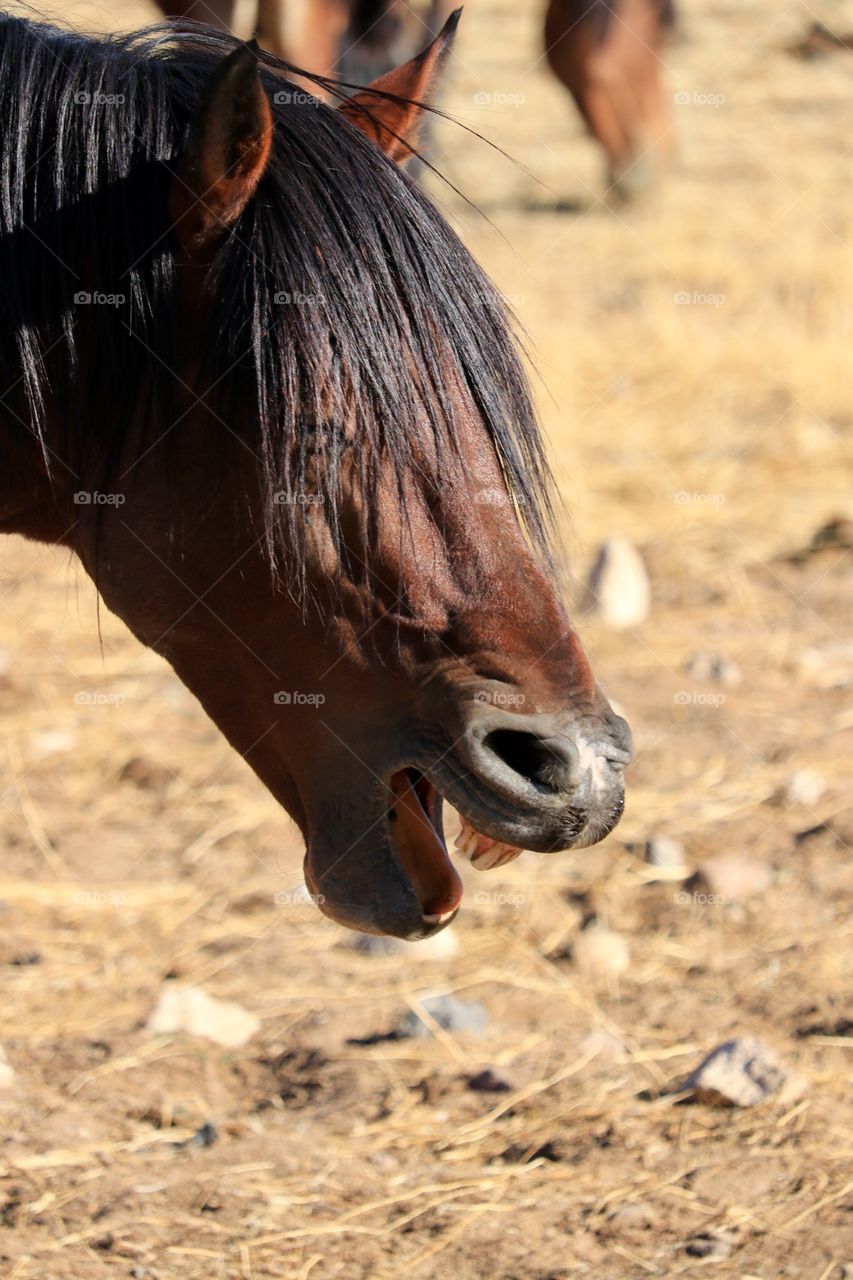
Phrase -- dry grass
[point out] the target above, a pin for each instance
(136, 845)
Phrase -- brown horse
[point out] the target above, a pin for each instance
(261, 18)
(252, 378)
(607, 54)
(357, 40)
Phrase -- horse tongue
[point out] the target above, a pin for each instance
(422, 853)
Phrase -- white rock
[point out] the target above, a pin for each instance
(829, 666)
(603, 1043)
(440, 946)
(666, 852)
(51, 741)
(636, 1216)
(620, 585)
(189, 1009)
(601, 950)
(733, 878)
(7, 1075)
(805, 786)
(713, 669)
(738, 1073)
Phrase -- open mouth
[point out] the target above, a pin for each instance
(414, 819)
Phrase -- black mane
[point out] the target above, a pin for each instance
(381, 290)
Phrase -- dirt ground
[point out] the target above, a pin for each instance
(694, 353)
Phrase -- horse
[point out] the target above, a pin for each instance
(256, 384)
(358, 40)
(607, 54)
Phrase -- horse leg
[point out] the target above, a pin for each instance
(635, 74)
(583, 65)
(216, 13)
(270, 26)
(320, 44)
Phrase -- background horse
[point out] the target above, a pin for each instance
(357, 40)
(607, 54)
(263, 391)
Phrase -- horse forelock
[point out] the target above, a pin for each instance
(342, 293)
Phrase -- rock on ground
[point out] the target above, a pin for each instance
(451, 1013)
(733, 878)
(441, 946)
(189, 1009)
(713, 669)
(666, 853)
(7, 1074)
(805, 786)
(738, 1073)
(619, 585)
(601, 950)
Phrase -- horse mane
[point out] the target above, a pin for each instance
(340, 297)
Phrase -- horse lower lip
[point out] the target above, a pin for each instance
(420, 850)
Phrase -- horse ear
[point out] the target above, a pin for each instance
(226, 154)
(390, 110)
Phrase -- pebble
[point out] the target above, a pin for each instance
(710, 668)
(733, 878)
(805, 786)
(189, 1009)
(828, 666)
(638, 1216)
(601, 950)
(7, 1074)
(489, 1081)
(666, 853)
(51, 741)
(206, 1136)
(711, 1244)
(619, 583)
(451, 1014)
(441, 946)
(605, 1043)
(737, 1073)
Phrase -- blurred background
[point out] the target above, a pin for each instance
(692, 355)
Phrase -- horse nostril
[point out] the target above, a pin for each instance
(549, 763)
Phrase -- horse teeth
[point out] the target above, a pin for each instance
(466, 841)
(487, 859)
(483, 852)
(511, 854)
